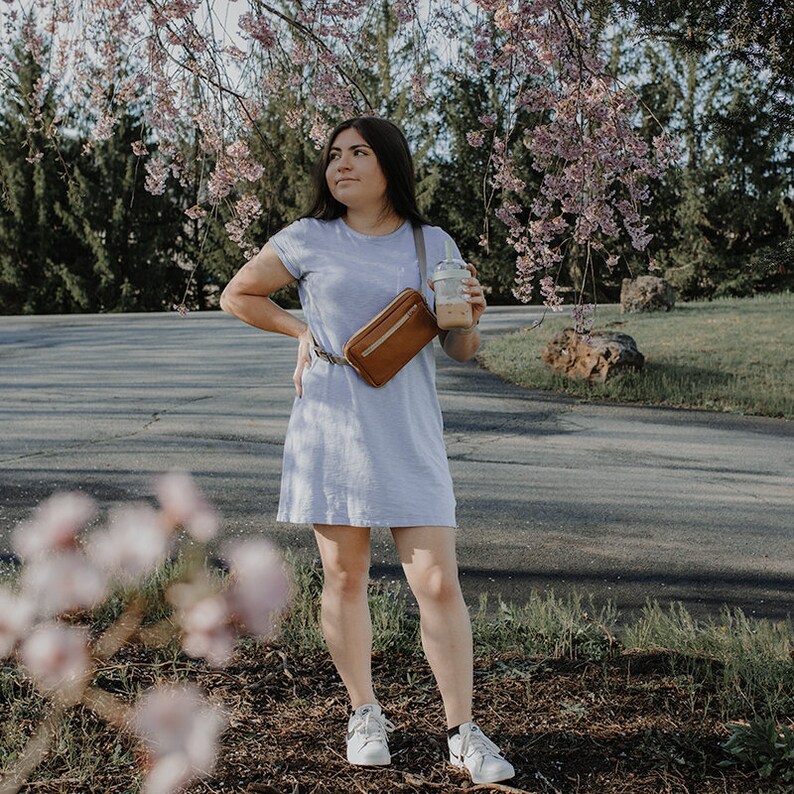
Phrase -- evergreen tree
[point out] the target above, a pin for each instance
(756, 34)
(37, 253)
(131, 238)
(726, 200)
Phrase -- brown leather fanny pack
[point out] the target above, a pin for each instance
(384, 345)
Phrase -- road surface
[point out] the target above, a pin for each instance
(624, 502)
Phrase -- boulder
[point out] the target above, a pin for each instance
(646, 294)
(595, 357)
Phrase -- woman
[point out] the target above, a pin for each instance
(356, 457)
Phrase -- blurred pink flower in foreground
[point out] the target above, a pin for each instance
(16, 614)
(183, 504)
(56, 656)
(180, 729)
(207, 631)
(63, 582)
(134, 544)
(54, 525)
(259, 587)
(178, 726)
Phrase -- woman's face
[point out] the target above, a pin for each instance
(353, 173)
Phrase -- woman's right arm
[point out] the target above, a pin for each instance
(246, 296)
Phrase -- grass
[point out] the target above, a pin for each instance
(663, 704)
(732, 355)
(747, 662)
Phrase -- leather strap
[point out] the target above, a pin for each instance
(421, 255)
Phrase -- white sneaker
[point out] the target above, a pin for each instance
(472, 750)
(367, 740)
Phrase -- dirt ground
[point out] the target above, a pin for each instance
(624, 726)
(621, 727)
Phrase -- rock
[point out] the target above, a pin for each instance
(595, 357)
(646, 294)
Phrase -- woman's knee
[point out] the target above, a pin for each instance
(345, 555)
(435, 585)
(348, 581)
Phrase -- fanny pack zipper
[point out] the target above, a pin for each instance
(378, 342)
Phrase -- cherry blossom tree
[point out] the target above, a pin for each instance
(211, 68)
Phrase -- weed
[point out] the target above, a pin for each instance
(559, 628)
(764, 747)
(749, 661)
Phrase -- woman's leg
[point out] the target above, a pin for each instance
(428, 559)
(347, 627)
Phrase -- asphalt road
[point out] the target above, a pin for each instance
(626, 503)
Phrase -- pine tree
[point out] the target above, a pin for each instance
(131, 237)
(726, 199)
(37, 253)
(755, 34)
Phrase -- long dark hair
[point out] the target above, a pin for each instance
(394, 157)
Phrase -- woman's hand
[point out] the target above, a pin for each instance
(474, 294)
(474, 291)
(305, 343)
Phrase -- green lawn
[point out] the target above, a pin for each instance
(733, 355)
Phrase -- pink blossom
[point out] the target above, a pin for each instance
(56, 656)
(319, 132)
(418, 83)
(404, 10)
(139, 148)
(184, 505)
(179, 9)
(247, 210)
(195, 212)
(505, 18)
(54, 525)
(582, 314)
(16, 615)
(548, 289)
(103, 129)
(259, 29)
(293, 118)
(475, 138)
(63, 582)
(134, 544)
(168, 774)
(157, 171)
(207, 631)
(180, 730)
(260, 586)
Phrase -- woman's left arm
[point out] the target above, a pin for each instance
(463, 344)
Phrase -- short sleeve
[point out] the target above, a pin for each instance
(290, 244)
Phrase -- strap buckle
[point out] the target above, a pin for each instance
(329, 357)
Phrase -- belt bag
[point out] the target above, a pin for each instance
(382, 347)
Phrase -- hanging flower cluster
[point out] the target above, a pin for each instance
(70, 570)
(210, 68)
(595, 166)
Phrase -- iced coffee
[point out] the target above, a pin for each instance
(453, 310)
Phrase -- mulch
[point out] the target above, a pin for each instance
(624, 726)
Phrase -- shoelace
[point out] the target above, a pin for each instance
(373, 728)
(478, 742)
